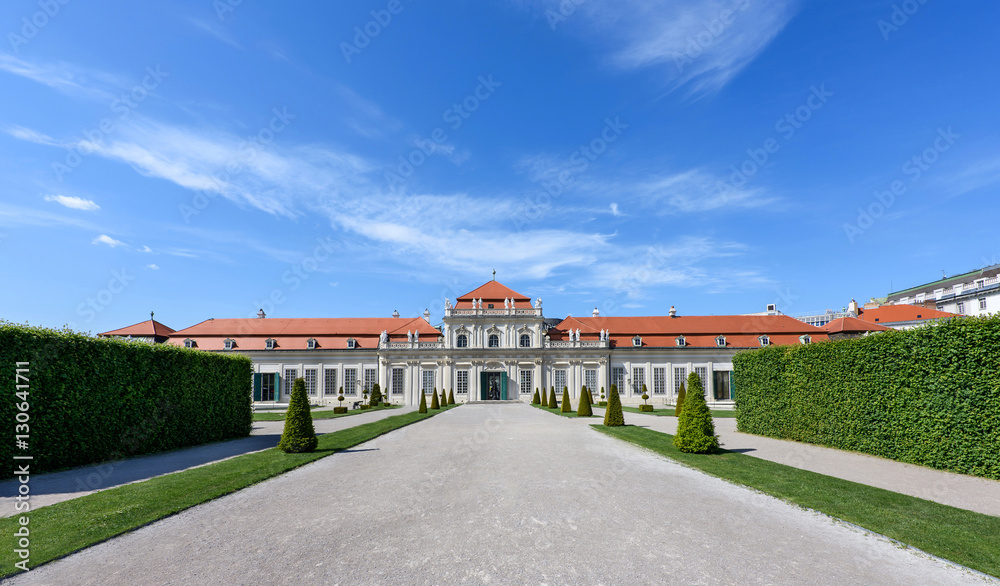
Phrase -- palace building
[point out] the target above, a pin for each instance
(494, 344)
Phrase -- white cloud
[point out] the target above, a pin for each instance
(152, 267)
(614, 210)
(64, 77)
(76, 203)
(105, 239)
(27, 134)
(220, 33)
(695, 191)
(145, 249)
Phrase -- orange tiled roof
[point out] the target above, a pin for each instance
(848, 325)
(493, 292)
(147, 328)
(888, 314)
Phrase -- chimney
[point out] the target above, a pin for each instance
(427, 315)
(595, 313)
(852, 308)
(673, 311)
(260, 314)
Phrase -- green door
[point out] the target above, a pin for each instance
(483, 387)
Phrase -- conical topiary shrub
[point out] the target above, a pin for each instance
(451, 396)
(434, 399)
(680, 401)
(376, 398)
(536, 400)
(584, 410)
(566, 406)
(695, 428)
(423, 403)
(299, 434)
(552, 398)
(613, 416)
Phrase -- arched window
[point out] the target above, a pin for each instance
(462, 341)
(637, 341)
(525, 341)
(720, 341)
(269, 344)
(494, 341)
(681, 341)
(765, 340)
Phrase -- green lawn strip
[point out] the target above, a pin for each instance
(964, 537)
(668, 411)
(556, 411)
(63, 528)
(326, 414)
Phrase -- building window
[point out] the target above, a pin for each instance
(489, 306)
(290, 375)
(764, 340)
(330, 382)
(559, 379)
(427, 380)
(590, 379)
(638, 379)
(720, 341)
(311, 344)
(982, 303)
(526, 382)
(959, 309)
(369, 379)
(398, 378)
(462, 382)
(351, 344)
(525, 341)
(806, 338)
(189, 343)
(618, 377)
(680, 377)
(230, 343)
(310, 378)
(269, 344)
(462, 341)
(681, 341)
(659, 380)
(702, 372)
(722, 380)
(350, 381)
(637, 341)
(494, 341)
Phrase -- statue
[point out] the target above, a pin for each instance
(416, 336)
(538, 303)
(409, 336)
(506, 304)
(447, 303)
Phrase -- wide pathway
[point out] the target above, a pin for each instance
(497, 494)
(48, 489)
(957, 490)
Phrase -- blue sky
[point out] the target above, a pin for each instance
(319, 159)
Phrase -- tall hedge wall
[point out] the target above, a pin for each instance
(928, 396)
(91, 400)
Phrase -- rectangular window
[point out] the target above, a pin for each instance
(559, 379)
(982, 303)
(462, 382)
(680, 376)
(638, 379)
(350, 381)
(721, 379)
(427, 380)
(590, 379)
(618, 378)
(310, 378)
(398, 378)
(526, 382)
(659, 380)
(290, 375)
(370, 374)
(702, 372)
(961, 307)
(330, 382)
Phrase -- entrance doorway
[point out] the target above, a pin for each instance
(493, 386)
(264, 386)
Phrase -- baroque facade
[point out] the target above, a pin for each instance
(494, 344)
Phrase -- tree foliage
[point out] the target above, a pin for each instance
(299, 434)
(681, 396)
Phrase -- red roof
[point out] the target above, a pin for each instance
(901, 313)
(147, 328)
(849, 325)
(493, 292)
(294, 333)
(741, 331)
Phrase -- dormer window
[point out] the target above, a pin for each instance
(311, 344)
(462, 341)
(681, 341)
(765, 340)
(351, 344)
(637, 341)
(270, 343)
(230, 343)
(189, 343)
(494, 341)
(805, 339)
(720, 341)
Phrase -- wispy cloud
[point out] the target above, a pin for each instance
(695, 190)
(73, 202)
(105, 239)
(29, 135)
(220, 33)
(64, 77)
(11, 215)
(152, 267)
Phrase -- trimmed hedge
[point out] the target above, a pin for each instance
(92, 400)
(928, 396)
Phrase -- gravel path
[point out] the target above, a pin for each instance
(48, 489)
(489, 494)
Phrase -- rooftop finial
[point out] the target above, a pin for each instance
(494, 274)
(151, 316)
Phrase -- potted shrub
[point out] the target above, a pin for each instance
(340, 409)
(603, 402)
(364, 399)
